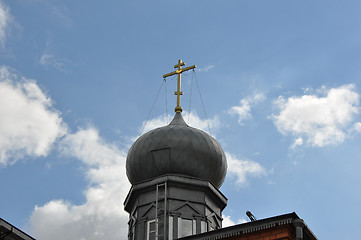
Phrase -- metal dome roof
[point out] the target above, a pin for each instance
(176, 149)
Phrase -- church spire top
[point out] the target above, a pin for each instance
(179, 71)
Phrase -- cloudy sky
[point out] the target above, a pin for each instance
(280, 81)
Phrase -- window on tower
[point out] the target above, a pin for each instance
(186, 227)
(203, 226)
(170, 224)
(151, 230)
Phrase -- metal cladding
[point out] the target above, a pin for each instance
(176, 149)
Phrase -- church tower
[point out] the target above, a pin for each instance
(176, 172)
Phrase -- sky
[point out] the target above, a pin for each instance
(277, 83)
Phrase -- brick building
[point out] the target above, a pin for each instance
(283, 227)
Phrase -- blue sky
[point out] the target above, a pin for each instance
(280, 81)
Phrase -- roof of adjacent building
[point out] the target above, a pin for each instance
(10, 232)
(258, 225)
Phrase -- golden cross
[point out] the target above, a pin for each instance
(179, 71)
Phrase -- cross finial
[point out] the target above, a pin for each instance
(179, 71)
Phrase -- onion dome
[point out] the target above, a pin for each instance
(176, 149)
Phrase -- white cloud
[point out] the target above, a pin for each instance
(357, 127)
(5, 19)
(62, 13)
(240, 169)
(318, 120)
(241, 220)
(191, 119)
(49, 59)
(156, 122)
(297, 142)
(29, 125)
(227, 221)
(102, 215)
(206, 68)
(243, 111)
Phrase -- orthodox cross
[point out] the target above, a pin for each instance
(179, 71)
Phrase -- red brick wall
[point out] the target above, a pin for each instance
(285, 232)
